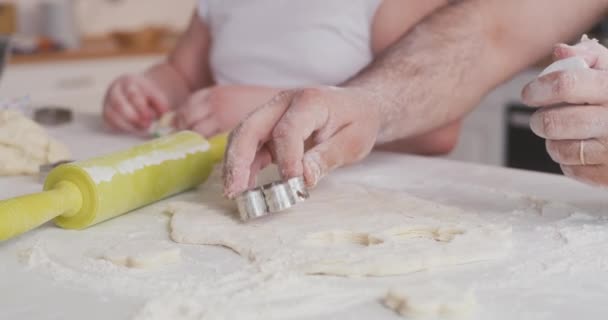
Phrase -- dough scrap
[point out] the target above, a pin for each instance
(344, 229)
(25, 145)
(163, 126)
(143, 254)
(431, 302)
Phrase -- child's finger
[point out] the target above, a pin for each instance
(192, 113)
(155, 97)
(121, 105)
(207, 129)
(139, 103)
(117, 121)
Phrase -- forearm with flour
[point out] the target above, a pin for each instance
(440, 70)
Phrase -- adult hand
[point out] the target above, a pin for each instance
(306, 132)
(574, 117)
(132, 102)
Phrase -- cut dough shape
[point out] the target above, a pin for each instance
(344, 229)
(431, 302)
(143, 254)
(25, 145)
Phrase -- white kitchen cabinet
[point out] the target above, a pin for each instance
(77, 84)
(483, 136)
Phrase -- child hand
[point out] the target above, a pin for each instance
(132, 102)
(219, 109)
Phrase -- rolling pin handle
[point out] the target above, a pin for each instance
(27, 212)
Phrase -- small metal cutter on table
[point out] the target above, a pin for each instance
(53, 115)
(271, 198)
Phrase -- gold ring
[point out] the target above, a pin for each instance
(581, 152)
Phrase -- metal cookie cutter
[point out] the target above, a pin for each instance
(53, 116)
(271, 198)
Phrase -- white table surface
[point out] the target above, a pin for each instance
(558, 267)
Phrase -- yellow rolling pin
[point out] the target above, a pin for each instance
(81, 194)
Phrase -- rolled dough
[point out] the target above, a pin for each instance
(344, 229)
(25, 145)
(141, 254)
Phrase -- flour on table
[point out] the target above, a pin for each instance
(431, 302)
(76, 264)
(25, 145)
(248, 294)
(344, 229)
(142, 254)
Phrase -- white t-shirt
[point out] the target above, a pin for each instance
(288, 43)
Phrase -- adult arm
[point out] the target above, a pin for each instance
(432, 76)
